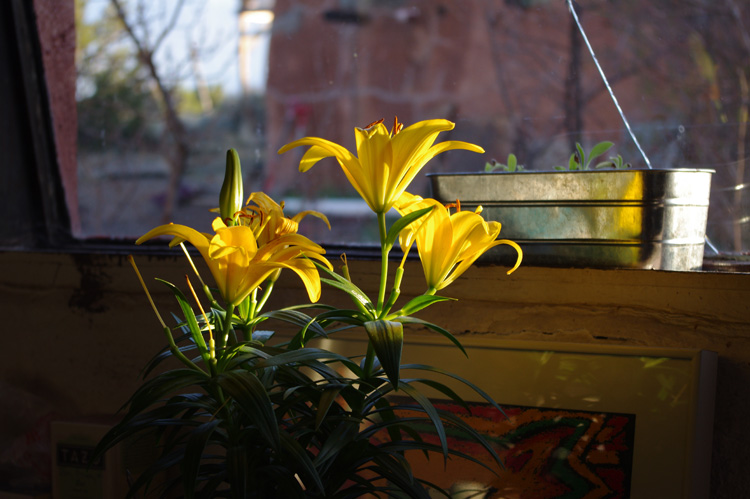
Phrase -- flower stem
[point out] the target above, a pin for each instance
(384, 250)
(178, 354)
(395, 292)
(253, 304)
(369, 360)
(227, 326)
(264, 298)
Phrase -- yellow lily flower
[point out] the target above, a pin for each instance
(448, 243)
(266, 218)
(386, 162)
(239, 265)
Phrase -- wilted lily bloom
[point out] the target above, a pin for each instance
(448, 243)
(239, 265)
(386, 162)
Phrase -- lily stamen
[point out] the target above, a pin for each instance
(375, 123)
(396, 126)
(456, 205)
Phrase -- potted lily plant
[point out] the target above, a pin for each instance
(238, 412)
(604, 214)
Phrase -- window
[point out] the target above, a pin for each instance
(514, 76)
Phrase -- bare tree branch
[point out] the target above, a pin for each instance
(170, 26)
(177, 160)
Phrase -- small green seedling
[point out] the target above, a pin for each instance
(614, 162)
(579, 160)
(511, 166)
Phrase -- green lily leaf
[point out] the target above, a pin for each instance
(299, 356)
(389, 419)
(157, 359)
(446, 390)
(236, 355)
(326, 401)
(236, 466)
(387, 338)
(190, 319)
(396, 468)
(336, 441)
(463, 380)
(243, 309)
(166, 462)
(475, 436)
(306, 324)
(356, 294)
(351, 317)
(155, 389)
(345, 285)
(292, 447)
(420, 302)
(251, 396)
(401, 224)
(405, 445)
(297, 318)
(262, 336)
(434, 327)
(196, 444)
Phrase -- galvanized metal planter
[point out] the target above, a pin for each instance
(647, 219)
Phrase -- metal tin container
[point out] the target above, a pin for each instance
(646, 219)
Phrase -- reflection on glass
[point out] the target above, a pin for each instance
(514, 75)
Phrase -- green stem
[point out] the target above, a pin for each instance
(395, 292)
(247, 332)
(212, 360)
(384, 250)
(369, 360)
(227, 326)
(264, 298)
(253, 304)
(177, 353)
(210, 296)
(400, 312)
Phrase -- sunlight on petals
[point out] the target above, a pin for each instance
(386, 162)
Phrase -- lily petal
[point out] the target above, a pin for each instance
(449, 244)
(386, 162)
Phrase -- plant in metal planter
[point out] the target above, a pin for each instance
(579, 160)
(511, 165)
(587, 214)
(245, 415)
(579, 217)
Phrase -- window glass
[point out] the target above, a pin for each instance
(165, 88)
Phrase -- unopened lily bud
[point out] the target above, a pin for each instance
(231, 196)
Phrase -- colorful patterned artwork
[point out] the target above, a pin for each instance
(548, 453)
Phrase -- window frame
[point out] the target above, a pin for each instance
(38, 215)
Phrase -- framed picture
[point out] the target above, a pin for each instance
(580, 420)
